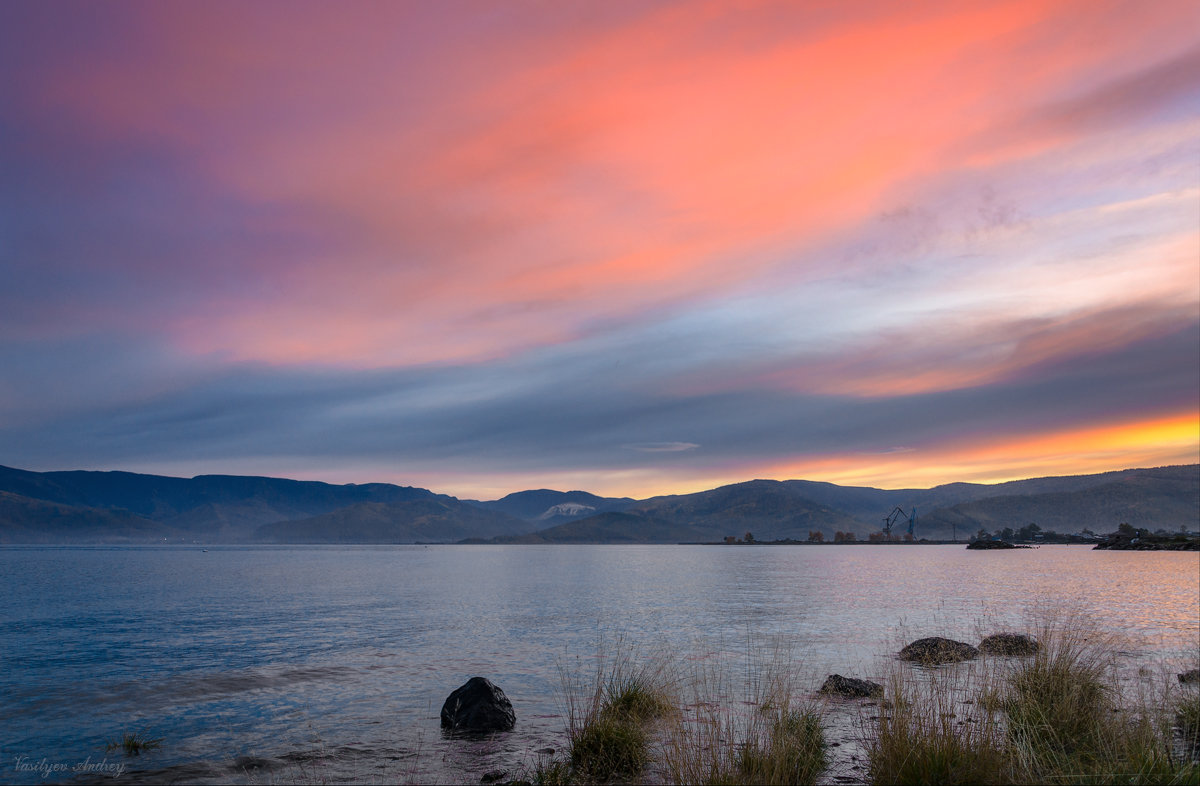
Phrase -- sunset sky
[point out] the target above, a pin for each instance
(628, 247)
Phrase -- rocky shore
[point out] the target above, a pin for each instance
(1129, 539)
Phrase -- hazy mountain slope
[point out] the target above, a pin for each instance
(869, 505)
(547, 507)
(209, 507)
(1177, 477)
(769, 509)
(413, 521)
(27, 520)
(222, 508)
(1151, 499)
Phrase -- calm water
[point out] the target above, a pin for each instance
(288, 664)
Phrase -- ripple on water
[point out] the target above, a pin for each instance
(334, 662)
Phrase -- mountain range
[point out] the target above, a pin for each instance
(124, 507)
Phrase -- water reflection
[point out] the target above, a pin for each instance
(339, 658)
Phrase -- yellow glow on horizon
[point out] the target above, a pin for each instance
(1173, 439)
(1158, 441)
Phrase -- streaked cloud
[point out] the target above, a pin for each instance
(632, 246)
(661, 447)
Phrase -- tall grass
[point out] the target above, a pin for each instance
(758, 734)
(937, 729)
(1070, 721)
(1058, 703)
(1187, 713)
(1058, 717)
(610, 719)
(712, 723)
(1061, 716)
(787, 749)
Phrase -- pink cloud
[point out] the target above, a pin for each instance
(497, 185)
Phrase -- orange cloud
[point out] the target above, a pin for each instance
(1140, 442)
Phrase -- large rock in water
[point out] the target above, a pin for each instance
(935, 650)
(478, 706)
(1009, 644)
(837, 685)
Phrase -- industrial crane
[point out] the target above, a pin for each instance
(898, 514)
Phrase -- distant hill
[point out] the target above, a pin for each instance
(414, 521)
(27, 520)
(778, 510)
(95, 507)
(547, 508)
(208, 508)
(769, 509)
(1165, 498)
(1159, 497)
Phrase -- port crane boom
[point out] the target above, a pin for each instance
(896, 515)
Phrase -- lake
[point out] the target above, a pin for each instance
(291, 664)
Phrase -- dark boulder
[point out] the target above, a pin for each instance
(1009, 644)
(976, 545)
(934, 650)
(1190, 676)
(837, 685)
(478, 706)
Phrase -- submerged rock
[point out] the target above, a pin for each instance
(934, 650)
(1009, 644)
(247, 763)
(837, 685)
(478, 705)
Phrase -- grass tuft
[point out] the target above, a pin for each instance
(610, 725)
(133, 744)
(636, 699)
(610, 746)
(1058, 703)
(792, 751)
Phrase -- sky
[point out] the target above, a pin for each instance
(635, 248)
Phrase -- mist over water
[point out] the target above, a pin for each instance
(294, 663)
